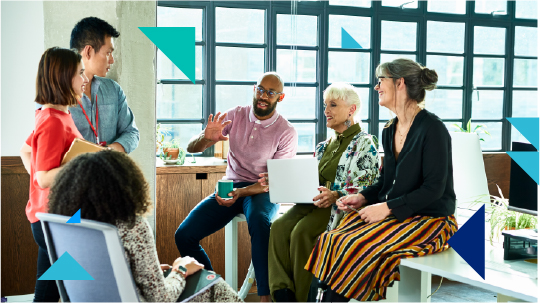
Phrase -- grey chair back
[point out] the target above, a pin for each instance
(97, 247)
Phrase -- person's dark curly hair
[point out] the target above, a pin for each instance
(91, 31)
(106, 186)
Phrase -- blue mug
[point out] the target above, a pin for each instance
(224, 188)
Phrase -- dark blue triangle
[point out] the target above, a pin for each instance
(347, 41)
(76, 218)
(470, 243)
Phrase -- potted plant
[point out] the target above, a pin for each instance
(172, 151)
(500, 218)
(480, 128)
(161, 131)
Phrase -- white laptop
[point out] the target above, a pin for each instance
(293, 180)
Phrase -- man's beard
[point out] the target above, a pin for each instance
(263, 112)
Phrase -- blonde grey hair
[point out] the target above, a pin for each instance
(343, 91)
(271, 74)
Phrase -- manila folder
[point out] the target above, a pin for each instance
(78, 147)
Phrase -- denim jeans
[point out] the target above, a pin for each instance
(208, 217)
(45, 290)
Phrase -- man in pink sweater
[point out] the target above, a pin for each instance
(257, 133)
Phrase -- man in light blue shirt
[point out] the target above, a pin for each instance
(110, 121)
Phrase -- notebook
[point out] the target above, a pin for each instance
(80, 146)
(293, 180)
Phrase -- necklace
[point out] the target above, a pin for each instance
(403, 136)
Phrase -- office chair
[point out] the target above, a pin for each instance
(97, 247)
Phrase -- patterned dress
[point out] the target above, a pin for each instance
(356, 169)
(152, 286)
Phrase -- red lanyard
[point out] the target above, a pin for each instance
(97, 121)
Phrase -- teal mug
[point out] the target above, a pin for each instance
(224, 188)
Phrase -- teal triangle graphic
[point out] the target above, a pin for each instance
(178, 44)
(528, 161)
(347, 41)
(528, 127)
(66, 268)
(76, 218)
(470, 243)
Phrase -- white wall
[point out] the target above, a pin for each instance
(22, 47)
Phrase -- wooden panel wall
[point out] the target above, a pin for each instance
(178, 192)
(19, 251)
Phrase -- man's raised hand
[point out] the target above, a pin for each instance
(215, 126)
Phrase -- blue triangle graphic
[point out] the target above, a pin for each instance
(178, 44)
(76, 218)
(469, 242)
(528, 161)
(347, 41)
(528, 127)
(66, 268)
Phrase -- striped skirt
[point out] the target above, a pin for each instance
(360, 260)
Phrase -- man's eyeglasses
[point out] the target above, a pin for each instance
(269, 93)
(379, 80)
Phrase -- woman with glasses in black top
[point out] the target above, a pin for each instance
(409, 211)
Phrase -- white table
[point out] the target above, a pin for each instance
(513, 278)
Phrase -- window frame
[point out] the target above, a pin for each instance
(377, 13)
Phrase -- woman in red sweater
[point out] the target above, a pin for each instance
(60, 83)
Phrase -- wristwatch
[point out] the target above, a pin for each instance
(181, 270)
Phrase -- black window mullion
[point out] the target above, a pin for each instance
(468, 68)
(322, 75)
(209, 103)
(375, 58)
(508, 80)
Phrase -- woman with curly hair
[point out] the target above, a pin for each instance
(109, 187)
(409, 211)
(60, 83)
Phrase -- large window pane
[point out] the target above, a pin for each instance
(359, 3)
(445, 6)
(488, 72)
(239, 25)
(398, 3)
(348, 67)
(449, 69)
(526, 9)
(297, 66)
(306, 30)
(182, 132)
(306, 136)
(525, 103)
(179, 101)
(489, 40)
(167, 70)
(299, 103)
(490, 6)
(234, 63)
(392, 57)
(181, 17)
(398, 35)
(493, 142)
(445, 103)
(445, 37)
(526, 40)
(487, 104)
(525, 73)
(229, 96)
(358, 27)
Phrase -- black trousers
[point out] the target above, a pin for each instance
(45, 290)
